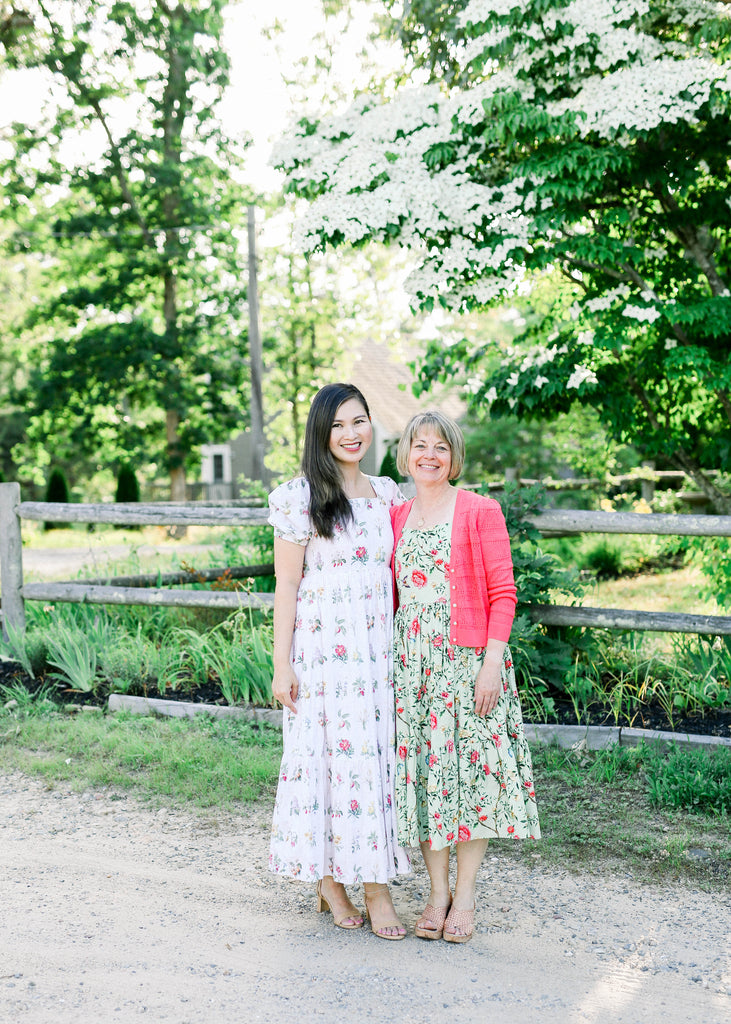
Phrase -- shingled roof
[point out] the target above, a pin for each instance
(385, 379)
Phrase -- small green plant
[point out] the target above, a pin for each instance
(695, 780)
(126, 663)
(71, 652)
(167, 665)
(23, 703)
(604, 560)
(241, 655)
(580, 689)
(389, 468)
(27, 647)
(194, 651)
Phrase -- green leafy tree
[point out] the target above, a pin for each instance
(128, 190)
(587, 143)
(302, 345)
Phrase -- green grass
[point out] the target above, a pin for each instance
(597, 810)
(199, 763)
(597, 813)
(673, 590)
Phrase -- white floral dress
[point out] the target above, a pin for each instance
(335, 811)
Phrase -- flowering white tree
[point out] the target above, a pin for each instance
(586, 138)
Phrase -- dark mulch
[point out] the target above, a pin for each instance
(716, 723)
(713, 723)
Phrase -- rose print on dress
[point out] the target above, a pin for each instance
(477, 788)
(345, 663)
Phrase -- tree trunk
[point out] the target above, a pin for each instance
(259, 471)
(175, 457)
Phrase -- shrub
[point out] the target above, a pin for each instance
(604, 560)
(128, 489)
(546, 654)
(57, 490)
(389, 468)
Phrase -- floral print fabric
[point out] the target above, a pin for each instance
(335, 812)
(459, 776)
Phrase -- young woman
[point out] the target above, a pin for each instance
(334, 816)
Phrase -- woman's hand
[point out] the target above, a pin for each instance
(285, 687)
(488, 683)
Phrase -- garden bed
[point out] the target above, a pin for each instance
(715, 722)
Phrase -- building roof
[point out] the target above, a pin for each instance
(385, 379)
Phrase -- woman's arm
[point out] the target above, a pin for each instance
(289, 560)
(498, 566)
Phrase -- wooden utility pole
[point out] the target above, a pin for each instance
(255, 357)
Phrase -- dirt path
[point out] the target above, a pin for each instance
(114, 912)
(56, 563)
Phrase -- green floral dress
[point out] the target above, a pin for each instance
(459, 776)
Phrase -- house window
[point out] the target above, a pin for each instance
(217, 468)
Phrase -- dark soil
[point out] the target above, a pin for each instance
(713, 723)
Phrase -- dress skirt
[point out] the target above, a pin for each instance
(459, 775)
(335, 808)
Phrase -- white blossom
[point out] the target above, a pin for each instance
(670, 344)
(471, 236)
(581, 375)
(608, 299)
(645, 314)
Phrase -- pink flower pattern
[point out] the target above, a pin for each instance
(334, 812)
(462, 777)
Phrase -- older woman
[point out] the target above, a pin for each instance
(464, 772)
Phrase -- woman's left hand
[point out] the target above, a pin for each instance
(489, 682)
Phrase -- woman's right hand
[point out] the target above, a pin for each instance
(285, 688)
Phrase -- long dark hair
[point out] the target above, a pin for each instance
(328, 502)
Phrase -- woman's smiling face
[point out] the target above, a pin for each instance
(430, 458)
(351, 432)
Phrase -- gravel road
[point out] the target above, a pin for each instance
(57, 563)
(112, 911)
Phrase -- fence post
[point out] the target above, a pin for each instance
(11, 559)
(647, 487)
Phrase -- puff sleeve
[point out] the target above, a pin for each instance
(389, 491)
(289, 511)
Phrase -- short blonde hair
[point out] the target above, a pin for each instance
(443, 427)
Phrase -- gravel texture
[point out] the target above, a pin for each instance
(112, 911)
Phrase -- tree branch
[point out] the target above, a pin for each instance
(679, 456)
(697, 242)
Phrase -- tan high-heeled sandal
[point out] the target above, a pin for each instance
(356, 921)
(436, 917)
(376, 888)
(462, 919)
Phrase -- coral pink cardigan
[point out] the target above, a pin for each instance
(480, 573)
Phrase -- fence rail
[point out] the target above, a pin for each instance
(143, 591)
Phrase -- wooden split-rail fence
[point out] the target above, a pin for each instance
(147, 590)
